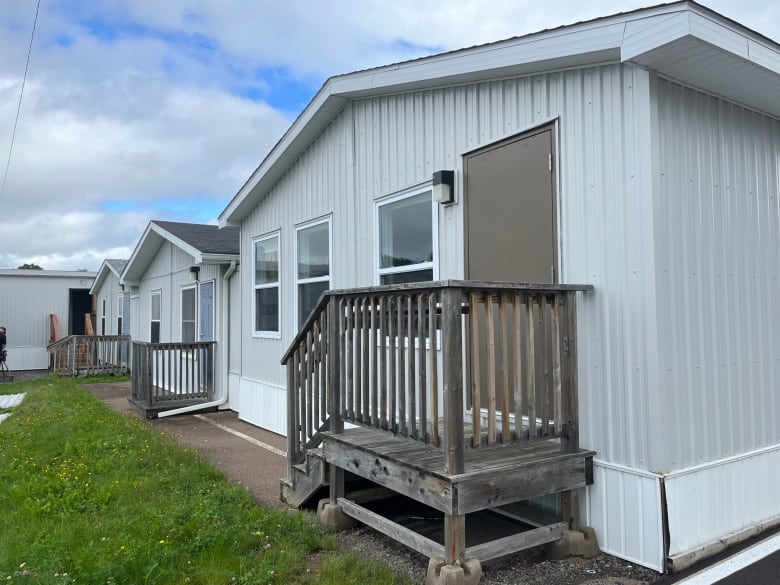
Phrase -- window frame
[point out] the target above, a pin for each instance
(152, 320)
(433, 265)
(103, 307)
(194, 320)
(120, 313)
(267, 334)
(299, 319)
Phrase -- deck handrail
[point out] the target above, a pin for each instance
(171, 372)
(90, 354)
(392, 357)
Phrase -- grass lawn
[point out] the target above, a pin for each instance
(88, 495)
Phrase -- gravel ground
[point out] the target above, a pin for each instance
(526, 568)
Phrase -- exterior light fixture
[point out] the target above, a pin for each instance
(444, 186)
(194, 270)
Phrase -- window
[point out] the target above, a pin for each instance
(266, 285)
(406, 228)
(155, 311)
(313, 265)
(103, 305)
(188, 318)
(120, 313)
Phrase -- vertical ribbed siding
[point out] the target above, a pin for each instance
(718, 257)
(317, 185)
(382, 145)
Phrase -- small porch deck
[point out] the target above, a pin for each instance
(461, 396)
(167, 376)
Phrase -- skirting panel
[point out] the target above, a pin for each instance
(711, 502)
(28, 358)
(263, 404)
(624, 507)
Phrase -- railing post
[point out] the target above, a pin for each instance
(452, 379)
(292, 431)
(334, 380)
(570, 442)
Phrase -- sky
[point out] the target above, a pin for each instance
(134, 110)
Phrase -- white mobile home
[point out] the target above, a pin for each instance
(179, 279)
(28, 299)
(638, 154)
(112, 303)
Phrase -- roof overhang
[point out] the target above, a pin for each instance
(683, 41)
(103, 272)
(147, 247)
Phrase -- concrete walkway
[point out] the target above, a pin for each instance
(249, 456)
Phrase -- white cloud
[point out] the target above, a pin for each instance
(142, 109)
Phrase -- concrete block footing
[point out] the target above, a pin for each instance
(332, 517)
(574, 543)
(467, 572)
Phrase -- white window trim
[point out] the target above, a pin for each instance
(120, 312)
(434, 264)
(103, 317)
(151, 295)
(278, 284)
(181, 311)
(298, 282)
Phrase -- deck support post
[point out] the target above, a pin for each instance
(452, 380)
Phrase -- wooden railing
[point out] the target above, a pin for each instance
(452, 364)
(88, 355)
(170, 373)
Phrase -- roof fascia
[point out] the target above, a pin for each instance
(219, 258)
(618, 38)
(130, 275)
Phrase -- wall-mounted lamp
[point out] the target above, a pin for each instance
(194, 270)
(444, 186)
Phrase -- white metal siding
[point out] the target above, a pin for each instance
(26, 301)
(717, 222)
(714, 501)
(168, 272)
(110, 289)
(624, 507)
(398, 141)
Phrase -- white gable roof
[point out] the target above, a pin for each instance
(683, 41)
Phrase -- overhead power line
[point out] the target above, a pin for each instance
(19, 107)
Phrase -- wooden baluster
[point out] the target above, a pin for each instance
(476, 374)
(358, 363)
(401, 369)
(306, 366)
(518, 334)
(374, 375)
(350, 365)
(366, 363)
(556, 359)
(531, 365)
(433, 367)
(392, 386)
(546, 379)
(422, 367)
(412, 384)
(505, 402)
(384, 332)
(491, 369)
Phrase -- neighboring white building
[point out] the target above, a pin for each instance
(28, 299)
(112, 303)
(642, 152)
(179, 283)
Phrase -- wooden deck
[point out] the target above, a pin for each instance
(492, 476)
(461, 396)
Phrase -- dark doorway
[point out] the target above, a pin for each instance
(80, 306)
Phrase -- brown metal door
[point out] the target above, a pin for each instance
(510, 211)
